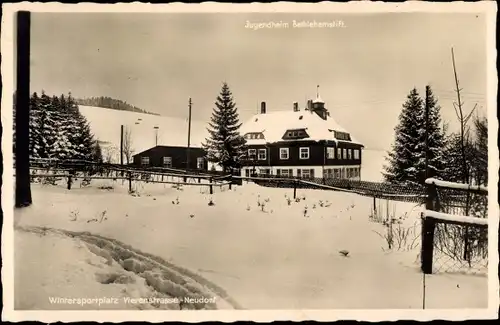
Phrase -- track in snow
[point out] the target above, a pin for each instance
(167, 279)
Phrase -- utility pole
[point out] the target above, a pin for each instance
(156, 135)
(189, 135)
(121, 145)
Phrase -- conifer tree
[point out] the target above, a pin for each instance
(225, 145)
(403, 160)
(431, 128)
(481, 150)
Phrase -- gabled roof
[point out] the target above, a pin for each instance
(274, 124)
(166, 148)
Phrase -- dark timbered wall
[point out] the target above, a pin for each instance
(317, 154)
(178, 154)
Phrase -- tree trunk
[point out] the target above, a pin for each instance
(21, 154)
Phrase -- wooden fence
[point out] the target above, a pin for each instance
(468, 237)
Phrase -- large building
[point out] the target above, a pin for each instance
(172, 157)
(305, 143)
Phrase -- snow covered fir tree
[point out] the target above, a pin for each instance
(59, 131)
(225, 146)
(419, 138)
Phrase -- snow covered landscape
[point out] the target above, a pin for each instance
(263, 252)
(213, 169)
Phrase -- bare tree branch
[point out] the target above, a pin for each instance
(128, 151)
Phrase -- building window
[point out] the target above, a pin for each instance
(356, 153)
(264, 171)
(330, 153)
(349, 152)
(295, 134)
(336, 173)
(262, 154)
(344, 153)
(284, 153)
(252, 153)
(200, 162)
(305, 173)
(339, 153)
(304, 153)
(167, 161)
(328, 173)
(144, 161)
(284, 172)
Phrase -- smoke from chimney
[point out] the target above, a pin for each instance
(263, 108)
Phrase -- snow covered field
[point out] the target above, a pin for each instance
(264, 252)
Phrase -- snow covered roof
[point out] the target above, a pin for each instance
(318, 100)
(274, 125)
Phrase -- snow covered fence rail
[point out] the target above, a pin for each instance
(454, 228)
(128, 175)
(406, 193)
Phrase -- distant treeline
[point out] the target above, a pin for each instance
(111, 103)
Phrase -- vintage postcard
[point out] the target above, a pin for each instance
(281, 161)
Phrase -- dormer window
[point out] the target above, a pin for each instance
(254, 135)
(295, 134)
(342, 136)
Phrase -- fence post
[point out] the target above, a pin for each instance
(129, 176)
(69, 181)
(295, 189)
(211, 185)
(428, 229)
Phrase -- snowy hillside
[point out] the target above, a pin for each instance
(105, 124)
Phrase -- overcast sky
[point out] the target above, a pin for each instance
(365, 69)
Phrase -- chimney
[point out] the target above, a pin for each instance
(309, 104)
(263, 108)
(295, 106)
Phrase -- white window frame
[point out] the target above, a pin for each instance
(330, 153)
(286, 151)
(264, 157)
(200, 162)
(165, 160)
(339, 153)
(145, 161)
(349, 154)
(252, 152)
(307, 171)
(285, 172)
(356, 154)
(306, 150)
(264, 171)
(344, 153)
